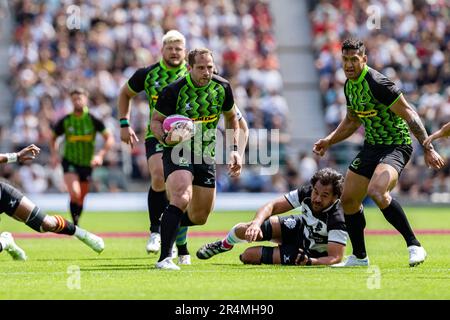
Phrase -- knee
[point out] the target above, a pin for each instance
(181, 199)
(377, 194)
(157, 178)
(250, 256)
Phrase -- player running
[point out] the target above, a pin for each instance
(79, 129)
(378, 104)
(153, 80)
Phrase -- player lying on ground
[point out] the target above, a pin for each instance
(16, 205)
(316, 237)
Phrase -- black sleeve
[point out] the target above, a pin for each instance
(98, 124)
(167, 102)
(383, 89)
(336, 220)
(58, 128)
(229, 100)
(137, 80)
(304, 192)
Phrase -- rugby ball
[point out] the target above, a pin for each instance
(175, 121)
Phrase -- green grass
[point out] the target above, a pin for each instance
(125, 271)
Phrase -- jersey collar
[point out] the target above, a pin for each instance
(362, 75)
(191, 84)
(165, 67)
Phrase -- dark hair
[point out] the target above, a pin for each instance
(328, 176)
(78, 90)
(193, 53)
(354, 44)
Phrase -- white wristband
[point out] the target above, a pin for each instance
(12, 157)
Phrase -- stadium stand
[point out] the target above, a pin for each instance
(103, 45)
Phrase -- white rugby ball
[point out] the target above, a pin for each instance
(175, 121)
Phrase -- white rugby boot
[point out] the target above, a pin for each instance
(10, 246)
(352, 261)
(417, 255)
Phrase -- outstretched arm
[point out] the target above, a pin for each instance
(277, 206)
(28, 153)
(443, 132)
(346, 128)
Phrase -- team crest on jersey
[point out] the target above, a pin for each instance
(183, 162)
(356, 163)
(290, 223)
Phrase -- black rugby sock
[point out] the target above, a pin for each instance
(395, 215)
(355, 227)
(157, 202)
(170, 223)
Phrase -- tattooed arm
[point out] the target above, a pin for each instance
(405, 111)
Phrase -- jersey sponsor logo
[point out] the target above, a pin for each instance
(81, 138)
(182, 162)
(157, 85)
(206, 119)
(188, 106)
(366, 114)
(356, 163)
(290, 223)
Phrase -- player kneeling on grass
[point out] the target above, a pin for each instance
(16, 205)
(316, 237)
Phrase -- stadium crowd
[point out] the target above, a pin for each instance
(408, 41)
(99, 44)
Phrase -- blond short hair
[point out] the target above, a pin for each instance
(173, 36)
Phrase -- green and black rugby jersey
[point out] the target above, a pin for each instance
(202, 104)
(153, 79)
(79, 132)
(370, 97)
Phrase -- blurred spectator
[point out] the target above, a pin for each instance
(110, 40)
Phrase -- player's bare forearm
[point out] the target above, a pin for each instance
(156, 125)
(243, 136)
(278, 206)
(346, 128)
(335, 255)
(109, 143)
(231, 122)
(124, 102)
(263, 213)
(417, 128)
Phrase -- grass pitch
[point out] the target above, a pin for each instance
(64, 268)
